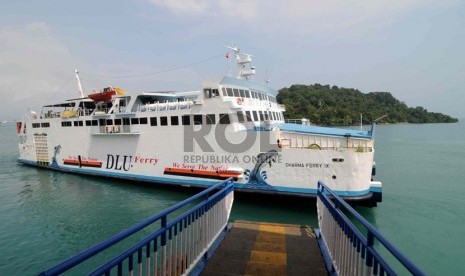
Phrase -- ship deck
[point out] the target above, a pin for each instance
(325, 130)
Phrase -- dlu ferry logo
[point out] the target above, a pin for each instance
(124, 162)
(239, 141)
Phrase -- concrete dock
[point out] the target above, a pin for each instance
(261, 248)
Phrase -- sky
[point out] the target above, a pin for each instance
(414, 49)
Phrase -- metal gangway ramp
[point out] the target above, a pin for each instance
(195, 237)
(263, 248)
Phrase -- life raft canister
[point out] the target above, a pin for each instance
(240, 101)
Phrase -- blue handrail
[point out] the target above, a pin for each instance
(358, 240)
(69, 263)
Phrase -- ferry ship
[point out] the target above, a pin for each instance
(232, 127)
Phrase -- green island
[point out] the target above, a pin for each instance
(332, 105)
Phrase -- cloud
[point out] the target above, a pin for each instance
(298, 16)
(34, 64)
(37, 68)
(184, 6)
(39, 27)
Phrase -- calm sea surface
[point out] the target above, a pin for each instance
(48, 216)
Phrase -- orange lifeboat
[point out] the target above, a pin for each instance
(104, 96)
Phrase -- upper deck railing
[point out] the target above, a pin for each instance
(351, 252)
(175, 247)
(302, 121)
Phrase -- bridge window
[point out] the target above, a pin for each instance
(208, 93)
(35, 125)
(102, 122)
(143, 121)
(79, 123)
(186, 120)
(46, 124)
(88, 122)
(242, 93)
(261, 116)
(230, 92)
(126, 121)
(174, 120)
(240, 116)
(66, 124)
(117, 122)
(215, 93)
(164, 121)
(248, 116)
(224, 91)
(224, 119)
(255, 116)
(153, 121)
(247, 93)
(210, 118)
(109, 122)
(134, 121)
(198, 120)
(236, 92)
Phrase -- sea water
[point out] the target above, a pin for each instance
(47, 216)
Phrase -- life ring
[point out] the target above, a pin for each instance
(240, 101)
(314, 147)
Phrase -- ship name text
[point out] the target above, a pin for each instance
(307, 165)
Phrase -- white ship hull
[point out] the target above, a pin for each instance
(145, 155)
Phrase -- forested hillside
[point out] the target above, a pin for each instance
(325, 105)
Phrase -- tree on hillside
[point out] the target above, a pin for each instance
(325, 105)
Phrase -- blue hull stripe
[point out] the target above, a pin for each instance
(193, 182)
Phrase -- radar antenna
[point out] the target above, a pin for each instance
(242, 59)
(81, 92)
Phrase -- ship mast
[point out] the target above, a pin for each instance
(242, 59)
(81, 93)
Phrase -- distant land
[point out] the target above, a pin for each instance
(332, 105)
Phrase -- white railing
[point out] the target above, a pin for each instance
(165, 106)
